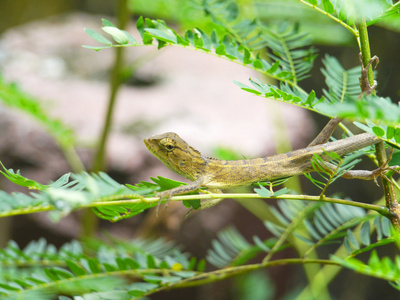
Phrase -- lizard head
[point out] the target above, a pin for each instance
(176, 154)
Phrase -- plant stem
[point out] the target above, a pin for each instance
(225, 273)
(89, 220)
(73, 158)
(115, 82)
(363, 41)
(390, 198)
(135, 199)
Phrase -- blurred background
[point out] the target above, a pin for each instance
(173, 89)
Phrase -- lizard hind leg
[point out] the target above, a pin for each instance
(207, 203)
(211, 202)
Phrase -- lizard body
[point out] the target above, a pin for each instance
(213, 173)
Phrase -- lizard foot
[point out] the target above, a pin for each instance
(373, 58)
(161, 196)
(366, 88)
(384, 168)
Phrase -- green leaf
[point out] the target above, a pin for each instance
(201, 266)
(261, 244)
(328, 7)
(151, 263)
(378, 131)
(96, 48)
(96, 36)
(281, 192)
(140, 26)
(397, 135)
(274, 67)
(185, 274)
(75, 268)
(163, 35)
(153, 278)
(390, 131)
(341, 83)
(118, 35)
(51, 275)
(139, 288)
(107, 23)
(133, 264)
(220, 50)
(166, 183)
(9, 287)
(310, 98)
(365, 233)
(395, 161)
(21, 180)
(263, 192)
(352, 239)
(195, 204)
(93, 265)
(258, 64)
(131, 39)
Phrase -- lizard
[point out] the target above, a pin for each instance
(217, 174)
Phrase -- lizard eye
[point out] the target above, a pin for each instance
(169, 147)
(168, 144)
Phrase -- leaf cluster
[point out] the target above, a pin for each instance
(40, 270)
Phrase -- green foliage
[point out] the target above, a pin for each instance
(12, 96)
(288, 58)
(153, 263)
(341, 82)
(83, 190)
(333, 170)
(231, 248)
(348, 13)
(255, 286)
(384, 268)
(319, 224)
(289, 53)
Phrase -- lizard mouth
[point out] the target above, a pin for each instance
(150, 145)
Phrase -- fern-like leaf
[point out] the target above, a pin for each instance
(69, 270)
(384, 268)
(291, 49)
(231, 248)
(341, 82)
(326, 223)
(63, 196)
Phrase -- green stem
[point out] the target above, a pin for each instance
(135, 199)
(349, 28)
(390, 198)
(363, 41)
(89, 220)
(72, 157)
(115, 82)
(225, 273)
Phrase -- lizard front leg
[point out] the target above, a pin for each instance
(183, 189)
